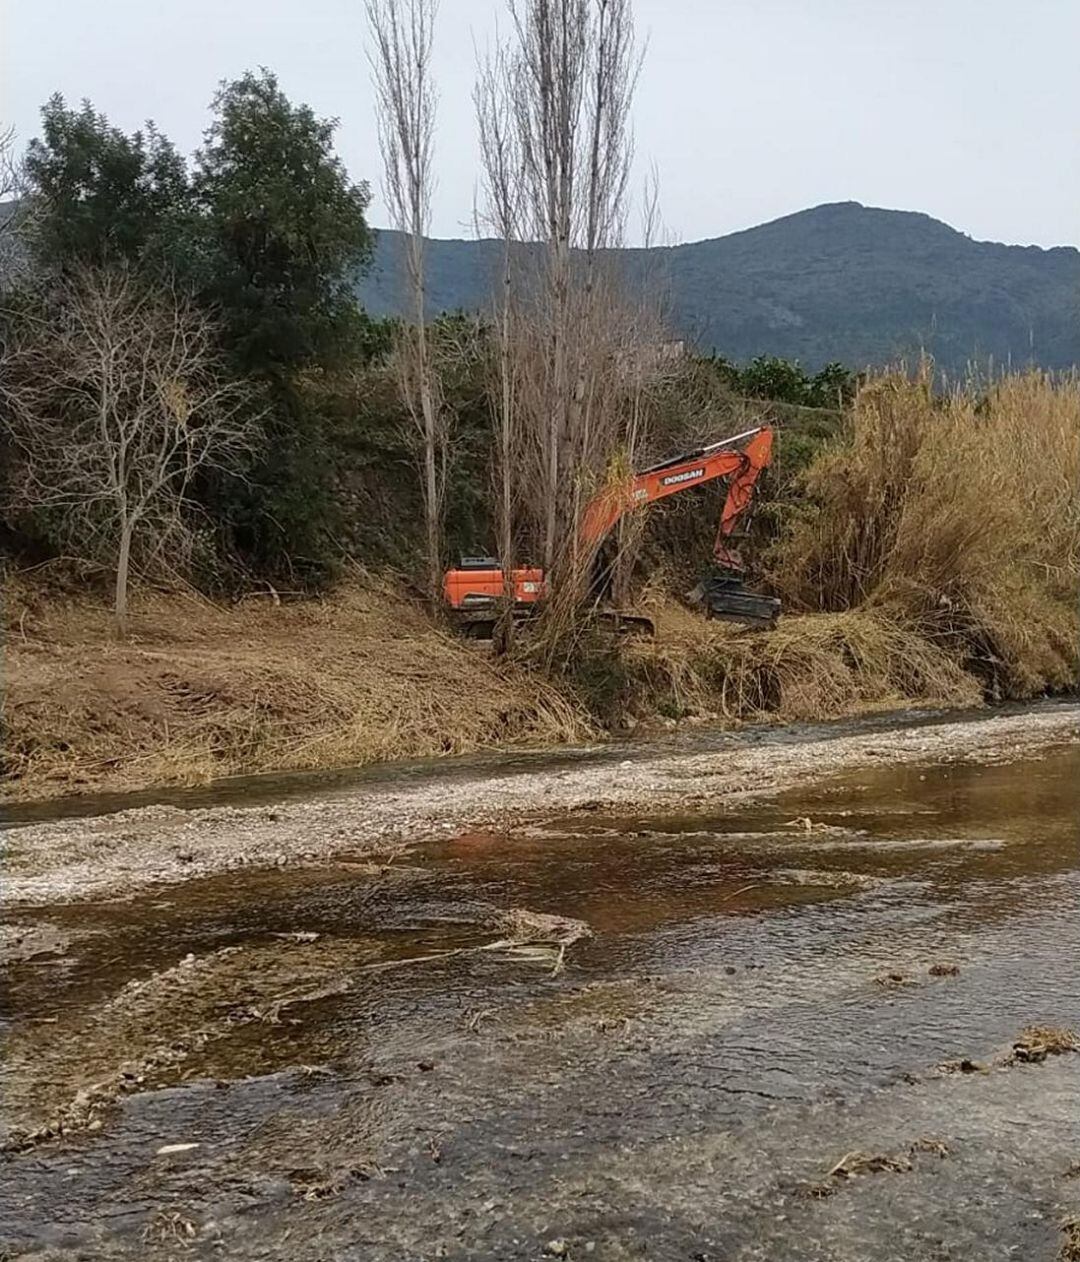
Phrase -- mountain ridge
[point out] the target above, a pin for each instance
(841, 281)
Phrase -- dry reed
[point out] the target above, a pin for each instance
(812, 666)
(956, 516)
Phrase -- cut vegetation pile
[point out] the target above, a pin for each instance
(200, 691)
(812, 666)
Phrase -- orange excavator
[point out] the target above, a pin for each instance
(473, 589)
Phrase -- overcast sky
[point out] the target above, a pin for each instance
(751, 109)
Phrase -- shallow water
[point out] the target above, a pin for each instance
(755, 1003)
(276, 786)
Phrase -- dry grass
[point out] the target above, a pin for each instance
(202, 691)
(938, 558)
(958, 517)
(812, 666)
(1036, 1042)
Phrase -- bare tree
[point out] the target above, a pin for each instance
(549, 68)
(115, 398)
(501, 173)
(8, 169)
(653, 363)
(14, 211)
(612, 74)
(400, 57)
(572, 68)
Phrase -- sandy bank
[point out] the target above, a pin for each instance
(115, 855)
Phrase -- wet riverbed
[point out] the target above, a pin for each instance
(344, 1062)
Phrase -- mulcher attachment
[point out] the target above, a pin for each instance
(728, 598)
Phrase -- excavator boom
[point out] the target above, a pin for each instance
(742, 458)
(718, 460)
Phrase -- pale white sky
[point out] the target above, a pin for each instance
(966, 109)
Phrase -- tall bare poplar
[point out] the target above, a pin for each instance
(500, 212)
(652, 362)
(401, 32)
(549, 67)
(612, 69)
(571, 68)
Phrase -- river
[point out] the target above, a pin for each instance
(790, 1035)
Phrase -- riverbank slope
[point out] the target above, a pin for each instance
(201, 691)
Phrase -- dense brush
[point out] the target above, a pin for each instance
(957, 516)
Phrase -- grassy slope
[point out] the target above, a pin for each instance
(201, 691)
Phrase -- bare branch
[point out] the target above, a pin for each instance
(114, 401)
(402, 33)
(15, 211)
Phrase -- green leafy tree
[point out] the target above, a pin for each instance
(287, 229)
(833, 387)
(726, 372)
(101, 196)
(767, 377)
(784, 381)
(285, 237)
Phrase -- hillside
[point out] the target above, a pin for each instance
(842, 281)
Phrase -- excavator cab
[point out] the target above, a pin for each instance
(474, 589)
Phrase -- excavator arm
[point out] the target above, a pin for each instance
(474, 587)
(743, 465)
(723, 596)
(757, 455)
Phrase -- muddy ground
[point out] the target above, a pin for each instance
(822, 1012)
(382, 815)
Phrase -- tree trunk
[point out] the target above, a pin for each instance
(558, 437)
(628, 532)
(123, 564)
(432, 453)
(505, 628)
(429, 421)
(431, 500)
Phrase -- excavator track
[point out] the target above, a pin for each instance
(619, 623)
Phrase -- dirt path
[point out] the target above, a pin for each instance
(117, 855)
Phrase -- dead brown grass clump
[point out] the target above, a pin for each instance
(811, 666)
(201, 691)
(1036, 1042)
(957, 516)
(855, 1163)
